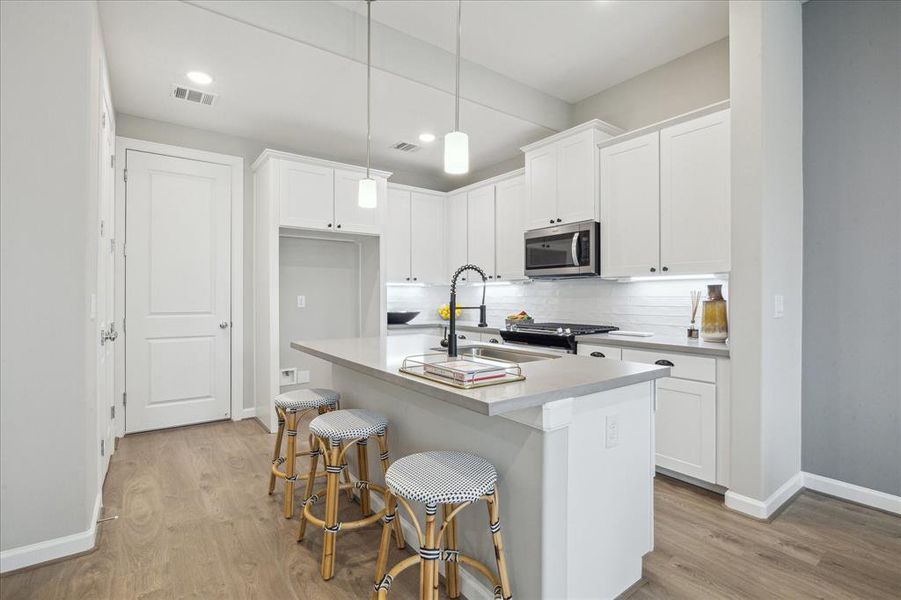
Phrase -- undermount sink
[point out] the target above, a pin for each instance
(508, 354)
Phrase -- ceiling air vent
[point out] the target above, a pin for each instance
(183, 93)
(405, 147)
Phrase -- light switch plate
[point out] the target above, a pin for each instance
(301, 302)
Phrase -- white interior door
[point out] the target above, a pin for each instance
(177, 289)
(105, 318)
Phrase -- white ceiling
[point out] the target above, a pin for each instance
(292, 75)
(568, 49)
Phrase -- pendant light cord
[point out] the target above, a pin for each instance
(457, 92)
(369, 85)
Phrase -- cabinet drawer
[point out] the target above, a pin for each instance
(595, 349)
(683, 366)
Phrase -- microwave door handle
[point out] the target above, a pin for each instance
(575, 250)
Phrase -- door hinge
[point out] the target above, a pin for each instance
(112, 412)
(124, 394)
(102, 447)
(123, 249)
(112, 161)
(112, 245)
(125, 174)
(101, 227)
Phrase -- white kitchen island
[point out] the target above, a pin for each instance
(572, 443)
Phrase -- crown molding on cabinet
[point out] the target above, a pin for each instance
(691, 115)
(270, 153)
(596, 124)
(467, 188)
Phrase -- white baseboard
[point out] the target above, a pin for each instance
(40, 552)
(471, 586)
(766, 508)
(853, 493)
(246, 413)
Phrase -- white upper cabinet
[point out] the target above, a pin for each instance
(541, 174)
(456, 227)
(510, 218)
(349, 216)
(630, 201)
(695, 196)
(561, 175)
(427, 238)
(481, 228)
(319, 194)
(306, 195)
(665, 200)
(397, 236)
(577, 190)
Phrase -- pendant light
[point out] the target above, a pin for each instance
(367, 196)
(456, 143)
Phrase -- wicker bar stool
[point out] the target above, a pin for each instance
(291, 407)
(335, 433)
(454, 480)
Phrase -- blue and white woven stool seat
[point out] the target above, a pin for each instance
(296, 400)
(441, 477)
(348, 424)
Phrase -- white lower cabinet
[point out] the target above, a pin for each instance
(598, 351)
(686, 422)
(686, 427)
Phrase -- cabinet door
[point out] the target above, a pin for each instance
(695, 196)
(541, 174)
(427, 238)
(577, 192)
(397, 236)
(456, 230)
(630, 201)
(686, 427)
(599, 351)
(510, 217)
(481, 229)
(349, 217)
(306, 195)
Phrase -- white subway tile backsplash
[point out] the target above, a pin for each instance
(661, 307)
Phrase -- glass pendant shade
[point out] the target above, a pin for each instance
(456, 153)
(368, 194)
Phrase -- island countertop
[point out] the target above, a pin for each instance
(568, 376)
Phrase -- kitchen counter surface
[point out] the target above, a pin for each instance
(658, 342)
(546, 380)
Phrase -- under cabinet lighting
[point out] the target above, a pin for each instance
(674, 277)
(404, 284)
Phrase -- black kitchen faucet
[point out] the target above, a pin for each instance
(483, 312)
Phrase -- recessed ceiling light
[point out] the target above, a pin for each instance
(426, 137)
(200, 78)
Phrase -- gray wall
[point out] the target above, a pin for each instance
(49, 109)
(327, 274)
(697, 79)
(852, 242)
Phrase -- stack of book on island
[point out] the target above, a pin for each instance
(466, 371)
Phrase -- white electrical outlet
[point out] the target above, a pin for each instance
(301, 302)
(778, 306)
(612, 437)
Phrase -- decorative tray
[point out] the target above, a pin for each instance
(464, 372)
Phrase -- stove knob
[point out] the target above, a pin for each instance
(568, 331)
(559, 331)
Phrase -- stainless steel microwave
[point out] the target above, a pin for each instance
(572, 250)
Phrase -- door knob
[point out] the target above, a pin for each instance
(223, 325)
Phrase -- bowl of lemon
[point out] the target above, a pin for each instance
(444, 312)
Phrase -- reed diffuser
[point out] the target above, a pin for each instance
(695, 302)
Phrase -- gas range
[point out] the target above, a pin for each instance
(552, 335)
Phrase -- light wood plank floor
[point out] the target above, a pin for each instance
(195, 522)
